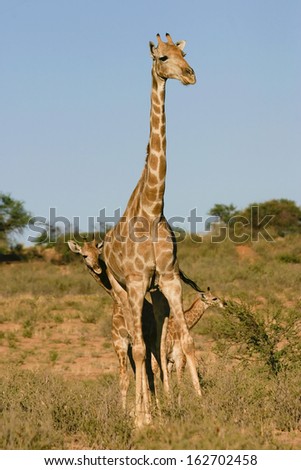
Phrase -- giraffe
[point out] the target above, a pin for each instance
(140, 251)
(121, 334)
(192, 315)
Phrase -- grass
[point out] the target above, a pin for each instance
(44, 411)
(241, 409)
(59, 373)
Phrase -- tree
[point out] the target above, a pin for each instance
(285, 215)
(223, 211)
(13, 216)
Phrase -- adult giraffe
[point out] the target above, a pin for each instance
(140, 251)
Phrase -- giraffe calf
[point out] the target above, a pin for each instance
(193, 314)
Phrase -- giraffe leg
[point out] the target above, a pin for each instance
(180, 360)
(123, 378)
(163, 357)
(142, 393)
(149, 332)
(149, 371)
(156, 372)
(161, 313)
(121, 346)
(171, 288)
(136, 291)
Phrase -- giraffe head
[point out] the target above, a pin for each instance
(90, 252)
(210, 300)
(169, 60)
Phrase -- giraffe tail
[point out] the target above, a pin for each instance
(190, 282)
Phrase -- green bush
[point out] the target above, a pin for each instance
(273, 340)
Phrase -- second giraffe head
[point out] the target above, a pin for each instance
(169, 61)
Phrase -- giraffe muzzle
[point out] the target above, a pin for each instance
(189, 77)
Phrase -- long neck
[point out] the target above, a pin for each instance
(195, 312)
(155, 166)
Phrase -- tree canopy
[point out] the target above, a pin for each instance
(13, 216)
(223, 211)
(286, 215)
(283, 215)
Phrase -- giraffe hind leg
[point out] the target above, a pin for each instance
(136, 289)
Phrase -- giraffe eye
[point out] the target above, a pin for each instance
(163, 58)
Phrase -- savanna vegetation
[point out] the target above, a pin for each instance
(59, 374)
(282, 216)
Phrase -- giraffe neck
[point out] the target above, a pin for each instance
(101, 279)
(195, 312)
(155, 166)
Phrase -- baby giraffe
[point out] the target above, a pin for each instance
(174, 352)
(122, 332)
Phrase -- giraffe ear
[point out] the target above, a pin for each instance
(152, 49)
(99, 247)
(181, 44)
(74, 246)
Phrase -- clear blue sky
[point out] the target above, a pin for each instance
(75, 95)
